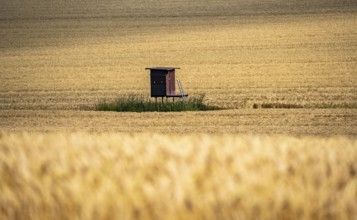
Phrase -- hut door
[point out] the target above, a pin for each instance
(158, 86)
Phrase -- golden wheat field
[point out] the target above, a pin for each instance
(154, 176)
(283, 147)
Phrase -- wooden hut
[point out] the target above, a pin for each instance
(162, 81)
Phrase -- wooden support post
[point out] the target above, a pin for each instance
(162, 100)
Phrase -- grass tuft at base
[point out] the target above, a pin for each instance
(141, 103)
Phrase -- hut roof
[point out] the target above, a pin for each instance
(162, 68)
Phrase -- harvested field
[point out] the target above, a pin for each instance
(296, 122)
(239, 62)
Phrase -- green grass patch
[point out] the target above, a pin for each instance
(277, 105)
(310, 105)
(141, 103)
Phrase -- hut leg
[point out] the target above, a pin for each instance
(162, 100)
(173, 100)
(156, 100)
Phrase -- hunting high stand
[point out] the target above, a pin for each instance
(162, 81)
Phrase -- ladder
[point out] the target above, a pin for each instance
(181, 89)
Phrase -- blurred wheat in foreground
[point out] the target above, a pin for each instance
(151, 176)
